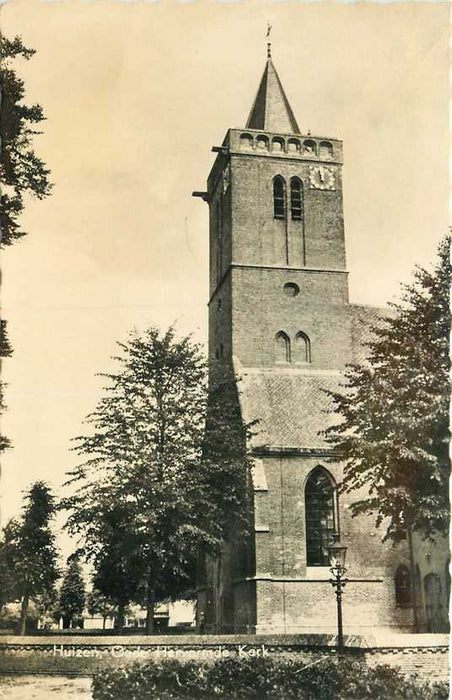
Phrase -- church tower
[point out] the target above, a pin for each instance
(280, 321)
(276, 233)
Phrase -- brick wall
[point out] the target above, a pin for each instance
(294, 597)
(248, 307)
(429, 663)
(423, 655)
(258, 238)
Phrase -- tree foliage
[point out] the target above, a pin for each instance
(21, 170)
(320, 676)
(394, 430)
(72, 596)
(8, 584)
(29, 548)
(5, 351)
(45, 610)
(149, 494)
(100, 604)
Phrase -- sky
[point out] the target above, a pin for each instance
(136, 94)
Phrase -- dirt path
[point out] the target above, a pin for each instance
(44, 688)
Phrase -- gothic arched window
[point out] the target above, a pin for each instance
(402, 582)
(320, 494)
(302, 347)
(279, 198)
(282, 347)
(296, 199)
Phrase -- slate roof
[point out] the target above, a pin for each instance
(364, 318)
(291, 404)
(271, 110)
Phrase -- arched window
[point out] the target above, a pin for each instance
(320, 494)
(279, 198)
(282, 347)
(296, 199)
(302, 347)
(246, 141)
(325, 150)
(278, 144)
(402, 582)
(309, 147)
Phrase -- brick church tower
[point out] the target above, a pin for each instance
(280, 319)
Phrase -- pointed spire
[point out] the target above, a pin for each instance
(271, 110)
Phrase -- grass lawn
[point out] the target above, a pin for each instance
(44, 688)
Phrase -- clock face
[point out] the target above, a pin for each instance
(322, 178)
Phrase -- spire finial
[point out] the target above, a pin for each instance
(269, 44)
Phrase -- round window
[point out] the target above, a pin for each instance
(291, 289)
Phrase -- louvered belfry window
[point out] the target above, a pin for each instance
(296, 199)
(279, 198)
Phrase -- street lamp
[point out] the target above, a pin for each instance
(337, 553)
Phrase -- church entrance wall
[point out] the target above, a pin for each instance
(293, 596)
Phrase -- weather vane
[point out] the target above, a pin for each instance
(269, 45)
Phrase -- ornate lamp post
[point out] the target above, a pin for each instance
(337, 553)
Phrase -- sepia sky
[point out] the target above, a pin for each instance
(135, 94)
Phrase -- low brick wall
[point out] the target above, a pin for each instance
(429, 663)
(425, 655)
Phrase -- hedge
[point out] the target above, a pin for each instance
(324, 678)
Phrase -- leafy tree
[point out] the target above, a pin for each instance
(21, 170)
(30, 548)
(100, 604)
(8, 583)
(45, 608)
(5, 346)
(119, 567)
(72, 594)
(394, 429)
(146, 498)
(5, 351)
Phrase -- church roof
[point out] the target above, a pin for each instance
(271, 110)
(291, 408)
(292, 405)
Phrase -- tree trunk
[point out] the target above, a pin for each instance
(104, 622)
(150, 606)
(119, 622)
(23, 613)
(413, 581)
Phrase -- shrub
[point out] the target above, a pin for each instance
(323, 678)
